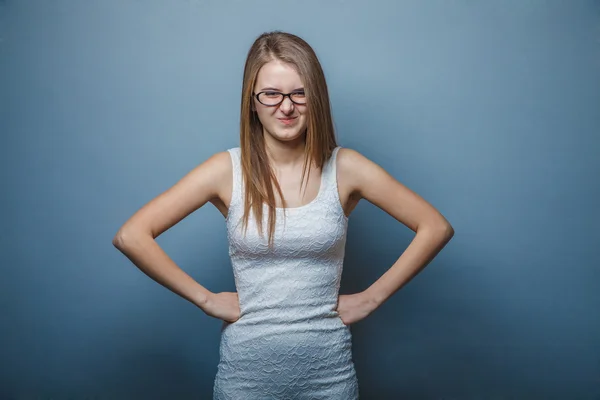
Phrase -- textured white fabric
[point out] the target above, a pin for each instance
(289, 342)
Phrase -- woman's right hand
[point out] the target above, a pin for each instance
(224, 305)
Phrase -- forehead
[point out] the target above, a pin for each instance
(277, 74)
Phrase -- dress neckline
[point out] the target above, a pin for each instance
(313, 201)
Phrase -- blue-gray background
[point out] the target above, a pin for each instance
(489, 110)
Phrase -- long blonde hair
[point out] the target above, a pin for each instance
(320, 138)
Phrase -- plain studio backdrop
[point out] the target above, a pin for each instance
(490, 110)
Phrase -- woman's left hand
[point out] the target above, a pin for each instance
(354, 307)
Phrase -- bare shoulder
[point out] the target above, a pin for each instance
(362, 178)
(220, 165)
(350, 163)
(354, 169)
(209, 178)
(208, 181)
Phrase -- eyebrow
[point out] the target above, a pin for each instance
(279, 90)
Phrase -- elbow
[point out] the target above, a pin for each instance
(130, 235)
(443, 226)
(440, 229)
(124, 236)
(445, 229)
(119, 240)
(448, 231)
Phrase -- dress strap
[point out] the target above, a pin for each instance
(237, 185)
(329, 176)
(330, 173)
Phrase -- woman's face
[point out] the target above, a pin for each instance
(286, 121)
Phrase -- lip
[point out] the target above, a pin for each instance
(288, 121)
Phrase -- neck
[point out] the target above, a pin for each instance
(285, 154)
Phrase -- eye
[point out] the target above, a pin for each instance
(298, 94)
(272, 94)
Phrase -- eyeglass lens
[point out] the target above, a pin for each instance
(274, 98)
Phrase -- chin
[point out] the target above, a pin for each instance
(288, 135)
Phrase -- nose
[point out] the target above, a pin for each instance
(287, 106)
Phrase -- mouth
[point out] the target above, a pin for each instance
(288, 120)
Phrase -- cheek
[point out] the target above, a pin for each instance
(264, 116)
(304, 120)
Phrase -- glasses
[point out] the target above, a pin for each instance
(272, 98)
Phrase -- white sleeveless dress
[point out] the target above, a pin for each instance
(289, 342)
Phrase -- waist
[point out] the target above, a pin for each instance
(287, 310)
(286, 326)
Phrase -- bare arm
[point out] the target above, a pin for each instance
(136, 238)
(365, 179)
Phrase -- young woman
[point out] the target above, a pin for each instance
(286, 194)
